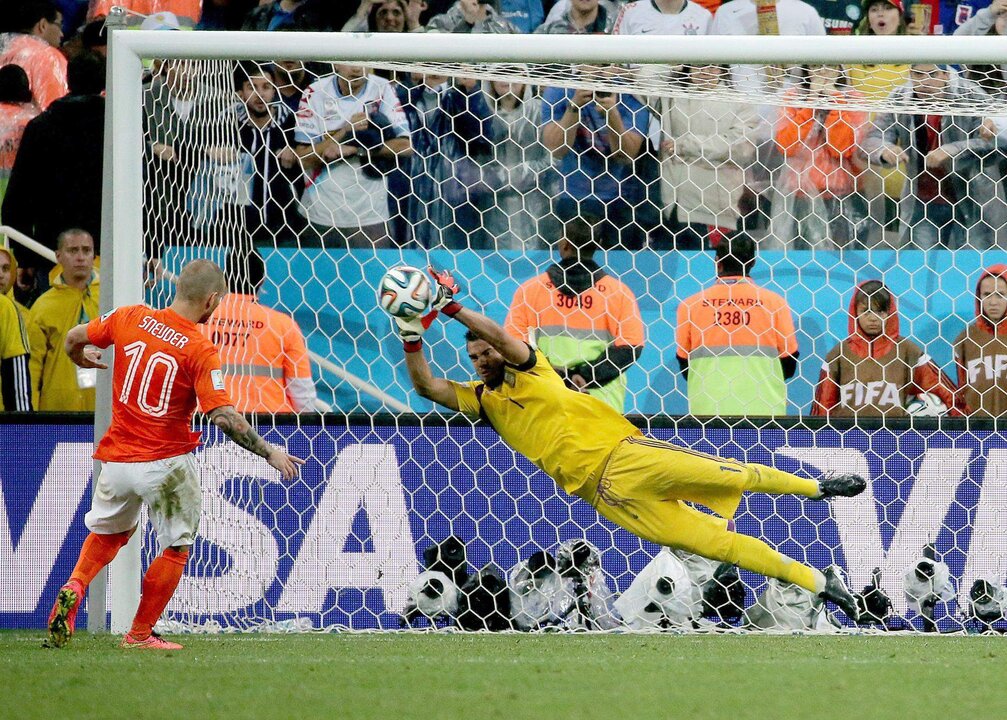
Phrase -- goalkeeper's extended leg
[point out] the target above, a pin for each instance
(643, 468)
(676, 525)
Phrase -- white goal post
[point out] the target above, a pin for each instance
(123, 223)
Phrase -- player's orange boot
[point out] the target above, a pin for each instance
(63, 617)
(154, 642)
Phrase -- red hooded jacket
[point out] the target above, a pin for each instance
(981, 358)
(870, 377)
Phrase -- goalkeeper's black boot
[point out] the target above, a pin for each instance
(848, 485)
(836, 591)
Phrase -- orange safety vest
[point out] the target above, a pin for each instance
(261, 349)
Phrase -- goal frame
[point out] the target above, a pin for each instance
(122, 217)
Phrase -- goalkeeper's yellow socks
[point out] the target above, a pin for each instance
(765, 479)
(755, 555)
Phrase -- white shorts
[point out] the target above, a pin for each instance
(169, 488)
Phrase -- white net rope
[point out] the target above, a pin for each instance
(331, 173)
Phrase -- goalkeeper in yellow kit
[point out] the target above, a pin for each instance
(593, 452)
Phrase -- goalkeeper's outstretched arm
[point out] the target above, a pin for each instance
(515, 352)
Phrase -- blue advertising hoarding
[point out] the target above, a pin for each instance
(339, 545)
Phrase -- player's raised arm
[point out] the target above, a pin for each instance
(76, 343)
(235, 426)
(514, 351)
(432, 388)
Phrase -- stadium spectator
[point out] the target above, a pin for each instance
(736, 340)
(15, 377)
(881, 186)
(350, 129)
(57, 384)
(92, 37)
(739, 17)
(450, 174)
(955, 193)
(707, 144)
(270, 172)
(585, 320)
(818, 179)
(16, 109)
(561, 7)
(593, 138)
(471, 16)
(990, 20)
(297, 15)
(292, 80)
(382, 16)
(875, 371)
(981, 348)
(8, 280)
(34, 45)
(663, 17)
(522, 163)
(525, 15)
(880, 17)
(581, 16)
(264, 356)
(64, 142)
(174, 120)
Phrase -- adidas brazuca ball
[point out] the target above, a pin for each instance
(404, 292)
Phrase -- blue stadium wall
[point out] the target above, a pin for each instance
(332, 296)
(338, 545)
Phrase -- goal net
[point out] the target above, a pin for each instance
(869, 183)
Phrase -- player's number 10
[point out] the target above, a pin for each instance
(135, 352)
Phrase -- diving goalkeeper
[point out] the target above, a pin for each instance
(593, 452)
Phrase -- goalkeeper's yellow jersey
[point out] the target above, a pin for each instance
(567, 434)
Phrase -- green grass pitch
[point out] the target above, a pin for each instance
(552, 677)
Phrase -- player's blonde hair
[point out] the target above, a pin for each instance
(200, 279)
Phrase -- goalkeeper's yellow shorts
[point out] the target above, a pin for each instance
(646, 483)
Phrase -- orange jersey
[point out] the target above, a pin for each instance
(262, 351)
(163, 365)
(44, 65)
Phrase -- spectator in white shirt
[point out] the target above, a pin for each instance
(350, 126)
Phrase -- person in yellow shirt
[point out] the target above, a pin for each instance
(58, 384)
(594, 453)
(15, 376)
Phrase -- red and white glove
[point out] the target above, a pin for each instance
(447, 288)
(411, 330)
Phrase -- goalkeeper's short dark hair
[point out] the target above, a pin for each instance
(735, 255)
(244, 271)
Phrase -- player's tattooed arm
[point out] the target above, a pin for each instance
(235, 426)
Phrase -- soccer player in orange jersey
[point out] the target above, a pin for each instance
(163, 366)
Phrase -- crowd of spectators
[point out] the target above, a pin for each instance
(341, 156)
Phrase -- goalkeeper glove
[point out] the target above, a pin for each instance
(447, 288)
(411, 330)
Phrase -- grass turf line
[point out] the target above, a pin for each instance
(552, 677)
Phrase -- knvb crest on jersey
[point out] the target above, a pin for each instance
(340, 544)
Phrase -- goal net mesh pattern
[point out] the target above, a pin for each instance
(332, 173)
